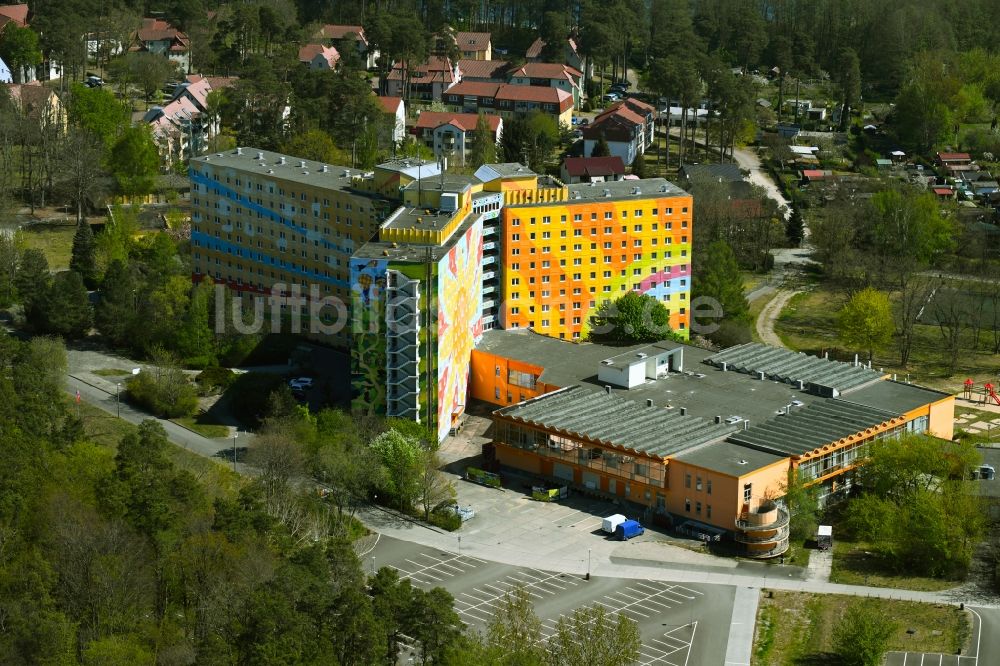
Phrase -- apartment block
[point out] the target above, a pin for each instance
(567, 252)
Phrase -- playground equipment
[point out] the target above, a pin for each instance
(986, 394)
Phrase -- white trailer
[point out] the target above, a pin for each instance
(611, 523)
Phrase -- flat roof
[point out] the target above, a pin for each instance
(413, 252)
(703, 390)
(891, 396)
(269, 164)
(729, 458)
(452, 182)
(625, 189)
(614, 420)
(408, 217)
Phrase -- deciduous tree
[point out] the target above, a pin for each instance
(632, 318)
(861, 637)
(135, 161)
(591, 636)
(866, 321)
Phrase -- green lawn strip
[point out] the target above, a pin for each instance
(55, 241)
(111, 372)
(204, 429)
(853, 566)
(106, 430)
(797, 627)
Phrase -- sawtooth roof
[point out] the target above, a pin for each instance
(789, 366)
(612, 420)
(808, 428)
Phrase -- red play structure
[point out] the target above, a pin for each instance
(983, 395)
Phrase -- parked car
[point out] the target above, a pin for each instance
(300, 383)
(628, 529)
(94, 82)
(612, 97)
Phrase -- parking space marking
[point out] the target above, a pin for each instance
(479, 602)
(929, 659)
(659, 655)
(432, 570)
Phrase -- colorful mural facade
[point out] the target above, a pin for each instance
(562, 260)
(459, 325)
(368, 328)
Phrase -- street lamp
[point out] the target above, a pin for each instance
(460, 545)
(118, 399)
(373, 565)
(588, 564)
(235, 435)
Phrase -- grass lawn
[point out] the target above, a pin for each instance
(809, 323)
(56, 241)
(851, 566)
(204, 429)
(106, 430)
(111, 372)
(797, 627)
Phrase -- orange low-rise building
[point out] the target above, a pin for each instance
(702, 441)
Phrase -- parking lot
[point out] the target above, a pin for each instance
(672, 618)
(928, 659)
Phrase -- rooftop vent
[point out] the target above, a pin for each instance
(684, 411)
(324, 169)
(260, 155)
(641, 355)
(734, 419)
(281, 160)
(302, 164)
(305, 173)
(270, 170)
(741, 461)
(663, 188)
(607, 361)
(636, 190)
(718, 420)
(649, 402)
(347, 172)
(607, 389)
(607, 193)
(239, 151)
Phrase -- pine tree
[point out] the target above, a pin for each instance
(115, 312)
(601, 149)
(32, 283)
(795, 227)
(719, 279)
(84, 259)
(66, 306)
(639, 167)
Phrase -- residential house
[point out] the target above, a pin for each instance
(592, 169)
(979, 183)
(955, 163)
(5, 75)
(484, 71)
(690, 174)
(158, 36)
(474, 45)
(396, 110)
(18, 14)
(943, 192)
(571, 54)
(508, 101)
(427, 81)
(37, 101)
(787, 130)
(552, 75)
(452, 134)
(319, 56)
(335, 34)
(184, 126)
(626, 126)
(817, 175)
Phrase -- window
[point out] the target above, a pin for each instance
(687, 480)
(747, 491)
(687, 505)
(697, 484)
(708, 489)
(697, 508)
(708, 510)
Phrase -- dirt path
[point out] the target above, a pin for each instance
(770, 314)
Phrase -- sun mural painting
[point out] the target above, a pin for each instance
(460, 322)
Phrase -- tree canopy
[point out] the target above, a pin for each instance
(631, 319)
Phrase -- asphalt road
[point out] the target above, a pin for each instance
(680, 624)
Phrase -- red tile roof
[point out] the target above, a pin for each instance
(548, 70)
(594, 166)
(156, 30)
(472, 41)
(330, 31)
(437, 68)
(954, 157)
(484, 69)
(215, 82)
(463, 121)
(476, 88)
(390, 104)
(16, 13)
(816, 174)
(943, 191)
(535, 49)
(309, 52)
